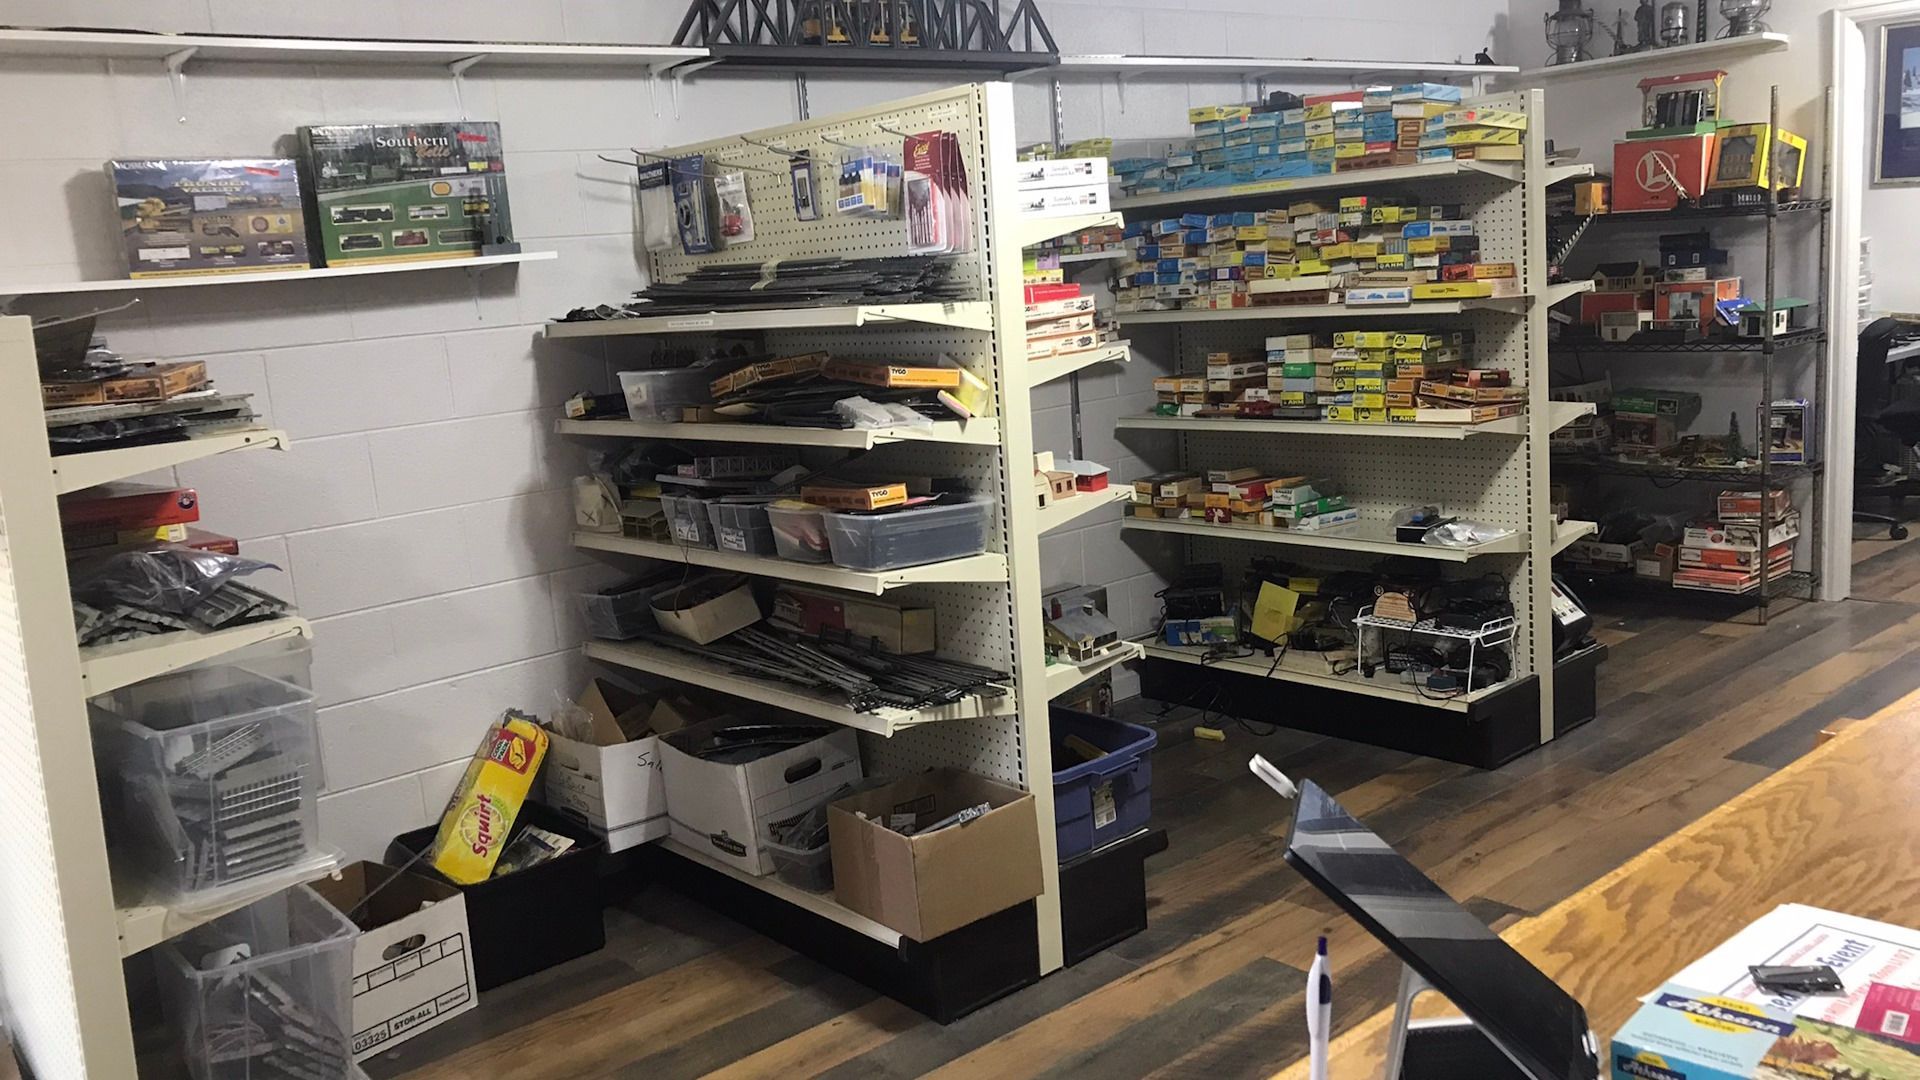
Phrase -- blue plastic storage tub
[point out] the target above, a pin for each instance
(1100, 801)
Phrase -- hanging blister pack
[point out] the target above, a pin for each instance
(736, 213)
(806, 206)
(937, 203)
(658, 231)
(693, 204)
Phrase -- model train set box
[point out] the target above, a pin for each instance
(209, 216)
(406, 192)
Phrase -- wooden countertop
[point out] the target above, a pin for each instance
(1839, 828)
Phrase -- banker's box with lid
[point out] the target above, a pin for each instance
(209, 778)
(264, 993)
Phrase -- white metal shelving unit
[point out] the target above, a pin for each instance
(61, 935)
(988, 606)
(474, 265)
(1495, 473)
(1678, 58)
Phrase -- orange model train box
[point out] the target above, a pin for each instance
(1648, 174)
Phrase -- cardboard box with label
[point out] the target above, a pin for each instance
(890, 625)
(611, 783)
(721, 809)
(929, 884)
(1645, 171)
(412, 965)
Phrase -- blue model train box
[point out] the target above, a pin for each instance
(1684, 1034)
(209, 216)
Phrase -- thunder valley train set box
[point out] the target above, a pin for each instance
(209, 216)
(405, 192)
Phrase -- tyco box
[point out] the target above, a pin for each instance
(1648, 174)
(406, 192)
(934, 852)
(412, 967)
(213, 216)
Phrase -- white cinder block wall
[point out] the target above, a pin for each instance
(421, 518)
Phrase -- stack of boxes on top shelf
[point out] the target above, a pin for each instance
(1242, 496)
(1062, 187)
(1352, 376)
(1725, 556)
(1370, 251)
(1420, 123)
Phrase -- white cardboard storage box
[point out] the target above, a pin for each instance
(722, 810)
(614, 790)
(412, 967)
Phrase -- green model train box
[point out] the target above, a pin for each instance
(407, 192)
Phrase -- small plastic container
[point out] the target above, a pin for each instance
(741, 526)
(803, 868)
(1097, 802)
(907, 537)
(799, 531)
(687, 516)
(216, 774)
(285, 1009)
(620, 612)
(666, 393)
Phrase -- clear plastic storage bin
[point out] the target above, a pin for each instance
(209, 777)
(620, 612)
(907, 537)
(687, 516)
(805, 868)
(281, 1007)
(742, 527)
(665, 394)
(799, 531)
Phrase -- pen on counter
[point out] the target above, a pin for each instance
(1319, 1012)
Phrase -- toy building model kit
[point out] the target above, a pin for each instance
(407, 192)
(228, 215)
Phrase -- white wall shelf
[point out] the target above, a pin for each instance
(1074, 507)
(1678, 58)
(1511, 425)
(1278, 312)
(659, 660)
(123, 663)
(76, 471)
(1029, 231)
(982, 431)
(1040, 372)
(144, 925)
(1570, 530)
(1064, 676)
(822, 904)
(1094, 256)
(193, 281)
(1352, 178)
(134, 46)
(1562, 413)
(1127, 66)
(1370, 537)
(966, 315)
(984, 567)
(1312, 669)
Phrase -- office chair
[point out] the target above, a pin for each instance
(1878, 418)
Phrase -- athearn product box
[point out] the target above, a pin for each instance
(1684, 1034)
(209, 216)
(406, 192)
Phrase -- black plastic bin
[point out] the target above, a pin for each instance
(530, 920)
(1103, 895)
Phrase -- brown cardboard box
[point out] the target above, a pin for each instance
(706, 611)
(894, 626)
(154, 383)
(925, 886)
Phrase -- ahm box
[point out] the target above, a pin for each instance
(214, 216)
(406, 192)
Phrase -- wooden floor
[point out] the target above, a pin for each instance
(1692, 712)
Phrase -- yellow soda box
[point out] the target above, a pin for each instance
(480, 815)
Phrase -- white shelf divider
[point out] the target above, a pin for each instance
(983, 431)
(76, 471)
(984, 567)
(1062, 511)
(965, 315)
(1064, 676)
(1371, 537)
(321, 273)
(122, 663)
(1678, 58)
(822, 904)
(1040, 372)
(1570, 530)
(1029, 231)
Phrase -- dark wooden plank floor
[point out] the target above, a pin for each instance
(1692, 711)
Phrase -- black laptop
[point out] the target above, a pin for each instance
(1524, 1025)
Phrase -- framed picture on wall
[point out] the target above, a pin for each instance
(1897, 151)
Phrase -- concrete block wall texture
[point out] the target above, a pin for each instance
(421, 519)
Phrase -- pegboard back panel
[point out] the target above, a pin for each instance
(778, 232)
(990, 746)
(973, 621)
